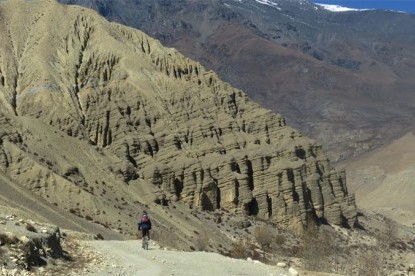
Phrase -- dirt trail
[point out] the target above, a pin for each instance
(128, 258)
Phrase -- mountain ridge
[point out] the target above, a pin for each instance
(342, 78)
(382, 179)
(103, 121)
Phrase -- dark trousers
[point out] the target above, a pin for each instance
(145, 232)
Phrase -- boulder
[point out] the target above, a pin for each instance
(293, 272)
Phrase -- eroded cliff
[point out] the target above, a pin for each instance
(99, 118)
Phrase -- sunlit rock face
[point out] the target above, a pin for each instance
(96, 117)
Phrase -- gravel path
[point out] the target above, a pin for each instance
(128, 258)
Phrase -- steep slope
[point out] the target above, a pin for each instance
(345, 79)
(102, 121)
(383, 179)
(17, 200)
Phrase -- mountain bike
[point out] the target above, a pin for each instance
(144, 242)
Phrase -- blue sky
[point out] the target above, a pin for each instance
(398, 5)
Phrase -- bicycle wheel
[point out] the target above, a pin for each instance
(146, 243)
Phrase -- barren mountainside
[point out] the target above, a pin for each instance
(101, 120)
(343, 78)
(383, 179)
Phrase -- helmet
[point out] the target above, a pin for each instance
(145, 212)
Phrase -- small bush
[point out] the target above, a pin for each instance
(280, 239)
(202, 241)
(3, 239)
(98, 236)
(71, 171)
(370, 263)
(398, 244)
(388, 237)
(238, 250)
(7, 239)
(292, 251)
(31, 228)
(263, 236)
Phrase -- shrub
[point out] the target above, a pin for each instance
(238, 250)
(317, 249)
(202, 241)
(263, 236)
(98, 236)
(389, 236)
(280, 239)
(31, 228)
(6, 239)
(3, 239)
(370, 263)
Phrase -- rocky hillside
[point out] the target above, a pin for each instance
(345, 78)
(102, 121)
(24, 244)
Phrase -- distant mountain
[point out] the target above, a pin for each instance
(344, 78)
(101, 121)
(384, 179)
(388, 5)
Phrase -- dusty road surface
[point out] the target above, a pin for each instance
(128, 258)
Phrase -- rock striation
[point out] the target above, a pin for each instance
(97, 117)
(342, 78)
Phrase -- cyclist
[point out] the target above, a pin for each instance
(145, 225)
